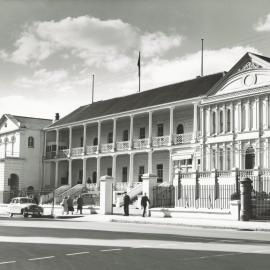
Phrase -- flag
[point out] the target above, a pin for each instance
(139, 64)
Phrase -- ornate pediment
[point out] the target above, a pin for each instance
(249, 65)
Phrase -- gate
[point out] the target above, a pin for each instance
(163, 196)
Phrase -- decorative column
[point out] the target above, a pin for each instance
(70, 172)
(239, 107)
(217, 120)
(195, 121)
(70, 140)
(266, 113)
(266, 153)
(258, 109)
(224, 119)
(99, 138)
(171, 125)
(131, 132)
(150, 162)
(131, 168)
(98, 170)
(114, 134)
(247, 109)
(84, 171)
(232, 118)
(240, 165)
(202, 122)
(208, 121)
(56, 182)
(171, 170)
(84, 138)
(57, 142)
(45, 142)
(150, 129)
(224, 152)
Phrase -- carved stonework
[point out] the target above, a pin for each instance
(249, 65)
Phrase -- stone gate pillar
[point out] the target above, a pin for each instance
(149, 181)
(106, 195)
(245, 197)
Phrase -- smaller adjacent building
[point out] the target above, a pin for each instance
(21, 152)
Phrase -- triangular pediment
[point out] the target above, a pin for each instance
(250, 71)
(7, 124)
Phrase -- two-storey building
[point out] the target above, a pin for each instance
(21, 154)
(128, 136)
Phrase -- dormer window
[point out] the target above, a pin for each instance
(30, 142)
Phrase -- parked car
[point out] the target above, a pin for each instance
(24, 206)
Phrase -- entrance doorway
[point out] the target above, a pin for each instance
(250, 158)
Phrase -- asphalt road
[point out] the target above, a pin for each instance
(35, 244)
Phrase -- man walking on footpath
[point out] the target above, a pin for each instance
(126, 204)
(144, 202)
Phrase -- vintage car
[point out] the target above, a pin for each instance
(24, 206)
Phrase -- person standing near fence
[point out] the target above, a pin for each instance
(79, 204)
(70, 205)
(126, 204)
(64, 205)
(144, 201)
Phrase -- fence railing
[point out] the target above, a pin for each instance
(91, 149)
(121, 146)
(78, 151)
(182, 138)
(108, 147)
(163, 196)
(141, 143)
(161, 141)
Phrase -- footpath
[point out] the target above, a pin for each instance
(135, 217)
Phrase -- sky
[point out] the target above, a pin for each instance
(50, 49)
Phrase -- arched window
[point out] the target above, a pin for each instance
(214, 122)
(250, 158)
(30, 142)
(110, 137)
(95, 141)
(180, 129)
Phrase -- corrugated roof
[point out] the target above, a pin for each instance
(165, 94)
(31, 122)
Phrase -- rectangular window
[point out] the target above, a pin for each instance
(160, 130)
(124, 174)
(142, 132)
(141, 172)
(81, 142)
(109, 171)
(125, 135)
(214, 122)
(110, 138)
(228, 120)
(213, 159)
(160, 173)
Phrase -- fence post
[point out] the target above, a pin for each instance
(245, 196)
(197, 175)
(106, 195)
(149, 181)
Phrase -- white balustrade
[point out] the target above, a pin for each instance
(66, 152)
(182, 138)
(91, 149)
(108, 147)
(78, 151)
(141, 143)
(161, 141)
(121, 186)
(122, 145)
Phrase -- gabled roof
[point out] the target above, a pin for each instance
(259, 60)
(27, 122)
(162, 95)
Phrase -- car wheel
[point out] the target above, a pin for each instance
(25, 214)
(10, 215)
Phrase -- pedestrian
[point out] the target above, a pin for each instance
(126, 204)
(79, 204)
(64, 205)
(145, 200)
(70, 205)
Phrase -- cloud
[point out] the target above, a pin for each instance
(101, 43)
(263, 24)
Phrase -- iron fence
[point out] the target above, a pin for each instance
(163, 196)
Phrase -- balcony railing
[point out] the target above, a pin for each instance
(78, 151)
(9, 154)
(121, 146)
(182, 138)
(91, 149)
(161, 141)
(50, 155)
(66, 152)
(141, 143)
(108, 147)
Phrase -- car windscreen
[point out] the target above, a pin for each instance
(26, 200)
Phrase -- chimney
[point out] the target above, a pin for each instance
(57, 117)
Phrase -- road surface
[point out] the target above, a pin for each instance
(41, 244)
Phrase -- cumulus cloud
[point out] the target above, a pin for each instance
(102, 43)
(263, 24)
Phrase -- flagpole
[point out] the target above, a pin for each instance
(139, 70)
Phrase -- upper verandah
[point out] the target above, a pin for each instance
(186, 90)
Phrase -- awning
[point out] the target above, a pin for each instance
(181, 157)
